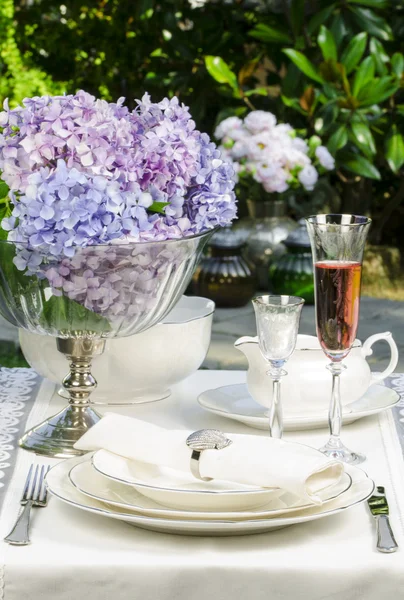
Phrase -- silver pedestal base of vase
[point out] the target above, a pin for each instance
(55, 437)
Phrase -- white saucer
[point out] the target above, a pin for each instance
(234, 402)
(90, 483)
(60, 486)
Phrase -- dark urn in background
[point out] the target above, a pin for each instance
(224, 275)
(292, 273)
(264, 230)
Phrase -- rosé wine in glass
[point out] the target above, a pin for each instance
(338, 286)
(337, 243)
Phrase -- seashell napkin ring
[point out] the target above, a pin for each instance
(205, 439)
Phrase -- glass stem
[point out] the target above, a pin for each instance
(275, 411)
(335, 412)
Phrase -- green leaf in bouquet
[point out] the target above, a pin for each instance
(394, 149)
(62, 313)
(4, 189)
(338, 139)
(303, 64)
(158, 207)
(354, 51)
(327, 44)
(358, 164)
(397, 64)
(364, 74)
(220, 71)
(5, 211)
(363, 137)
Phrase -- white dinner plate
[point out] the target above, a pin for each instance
(234, 402)
(181, 490)
(90, 483)
(60, 486)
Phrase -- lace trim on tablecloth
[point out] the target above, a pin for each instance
(16, 387)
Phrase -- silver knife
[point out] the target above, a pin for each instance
(380, 510)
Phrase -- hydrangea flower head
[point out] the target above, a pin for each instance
(272, 154)
(87, 177)
(83, 171)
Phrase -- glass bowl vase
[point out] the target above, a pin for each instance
(94, 293)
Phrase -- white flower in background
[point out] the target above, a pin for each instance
(300, 144)
(295, 158)
(228, 127)
(325, 158)
(259, 120)
(272, 154)
(284, 128)
(239, 149)
(308, 177)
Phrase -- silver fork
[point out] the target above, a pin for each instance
(34, 494)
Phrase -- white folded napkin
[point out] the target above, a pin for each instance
(250, 459)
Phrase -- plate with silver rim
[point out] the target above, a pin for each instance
(180, 490)
(234, 402)
(90, 483)
(60, 486)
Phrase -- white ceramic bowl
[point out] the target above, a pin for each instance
(139, 368)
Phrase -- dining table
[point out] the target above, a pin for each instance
(75, 554)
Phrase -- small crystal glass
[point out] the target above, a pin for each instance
(278, 320)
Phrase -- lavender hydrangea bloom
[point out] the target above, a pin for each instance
(120, 163)
(83, 172)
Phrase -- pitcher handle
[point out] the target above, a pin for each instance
(367, 351)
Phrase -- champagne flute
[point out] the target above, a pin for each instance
(337, 242)
(278, 320)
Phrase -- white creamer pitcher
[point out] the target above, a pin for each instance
(307, 387)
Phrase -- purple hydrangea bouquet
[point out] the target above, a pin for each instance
(95, 195)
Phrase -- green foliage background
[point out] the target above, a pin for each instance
(331, 67)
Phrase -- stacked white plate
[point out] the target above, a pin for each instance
(169, 501)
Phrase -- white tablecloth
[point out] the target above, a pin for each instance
(79, 555)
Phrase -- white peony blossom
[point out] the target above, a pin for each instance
(325, 159)
(308, 177)
(259, 120)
